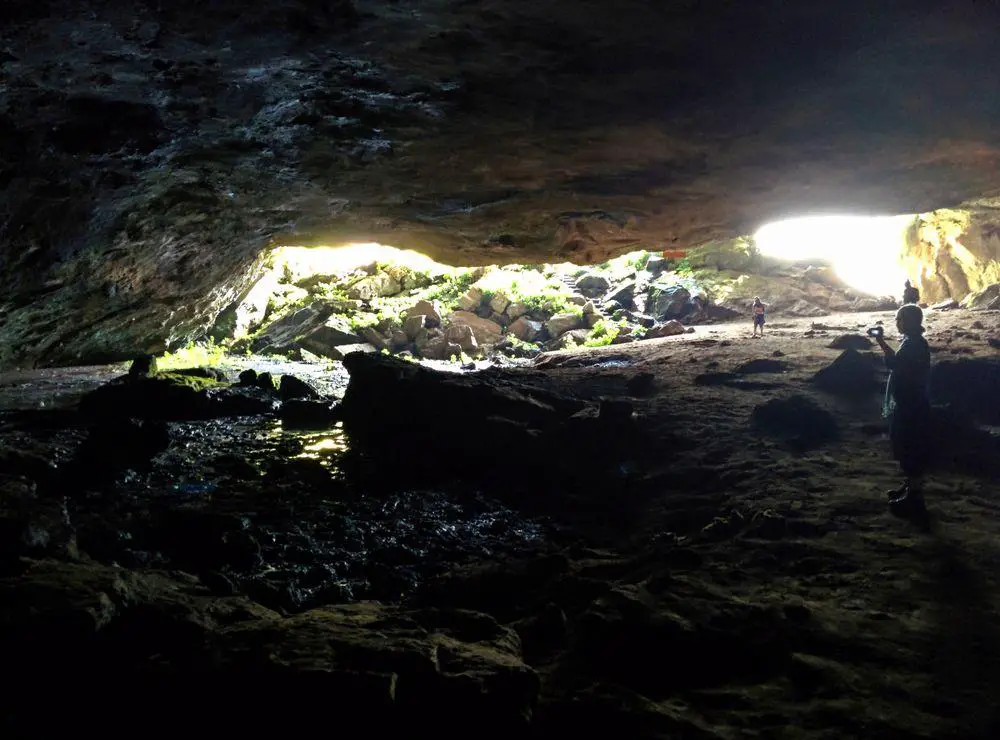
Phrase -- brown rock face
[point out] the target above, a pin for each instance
(150, 151)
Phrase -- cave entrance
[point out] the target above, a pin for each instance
(867, 253)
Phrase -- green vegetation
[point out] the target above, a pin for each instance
(603, 333)
(204, 354)
(451, 289)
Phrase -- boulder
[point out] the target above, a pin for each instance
(339, 353)
(472, 299)
(414, 325)
(568, 340)
(283, 333)
(525, 329)
(851, 341)
(593, 284)
(290, 387)
(668, 301)
(398, 341)
(669, 329)
(439, 348)
(379, 285)
(656, 264)
(372, 336)
(428, 309)
(946, 305)
(486, 331)
(463, 336)
(621, 294)
(499, 302)
(516, 310)
(334, 332)
(424, 336)
(851, 374)
(561, 323)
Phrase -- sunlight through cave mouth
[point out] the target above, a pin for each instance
(319, 303)
(866, 252)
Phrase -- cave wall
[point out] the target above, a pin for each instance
(149, 150)
(951, 253)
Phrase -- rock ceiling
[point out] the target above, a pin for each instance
(150, 150)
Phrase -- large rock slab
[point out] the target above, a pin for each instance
(163, 637)
(333, 333)
(486, 331)
(561, 323)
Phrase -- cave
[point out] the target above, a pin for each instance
(391, 365)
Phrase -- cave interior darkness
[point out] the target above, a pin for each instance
(391, 364)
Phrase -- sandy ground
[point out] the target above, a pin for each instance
(910, 621)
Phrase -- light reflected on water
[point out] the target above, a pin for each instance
(325, 447)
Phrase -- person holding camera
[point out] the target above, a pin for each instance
(907, 406)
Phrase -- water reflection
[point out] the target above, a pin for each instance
(326, 447)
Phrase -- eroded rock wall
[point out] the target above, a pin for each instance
(951, 253)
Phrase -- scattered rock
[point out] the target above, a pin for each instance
(945, 305)
(669, 329)
(463, 336)
(593, 285)
(499, 302)
(414, 325)
(797, 419)
(248, 377)
(471, 300)
(427, 309)
(668, 302)
(851, 341)
(334, 332)
(379, 285)
(851, 374)
(487, 332)
(656, 264)
(620, 294)
(440, 348)
(516, 311)
(980, 299)
(561, 323)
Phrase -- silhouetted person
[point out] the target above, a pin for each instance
(908, 409)
(758, 310)
(910, 294)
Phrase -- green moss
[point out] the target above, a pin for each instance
(193, 382)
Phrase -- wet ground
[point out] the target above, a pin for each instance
(251, 507)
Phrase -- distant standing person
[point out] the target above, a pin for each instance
(908, 408)
(910, 294)
(758, 309)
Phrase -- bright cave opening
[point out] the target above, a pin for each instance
(865, 252)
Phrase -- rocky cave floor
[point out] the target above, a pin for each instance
(722, 566)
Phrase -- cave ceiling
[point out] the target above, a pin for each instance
(150, 150)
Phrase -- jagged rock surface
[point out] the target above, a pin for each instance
(150, 151)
